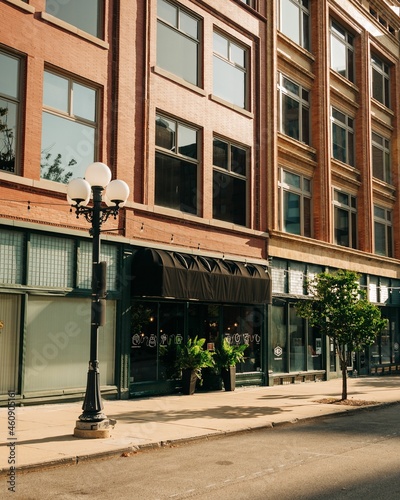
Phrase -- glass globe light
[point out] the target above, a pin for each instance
(78, 192)
(98, 174)
(117, 192)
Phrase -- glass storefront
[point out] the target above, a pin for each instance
(155, 324)
(295, 348)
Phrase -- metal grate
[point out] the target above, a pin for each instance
(11, 257)
(50, 261)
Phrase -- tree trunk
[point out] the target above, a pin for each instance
(344, 380)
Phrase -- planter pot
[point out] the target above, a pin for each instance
(189, 379)
(229, 378)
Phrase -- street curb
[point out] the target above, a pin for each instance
(71, 461)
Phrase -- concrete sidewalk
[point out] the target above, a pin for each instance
(44, 434)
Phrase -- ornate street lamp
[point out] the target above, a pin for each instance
(92, 422)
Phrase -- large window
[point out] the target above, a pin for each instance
(86, 15)
(178, 41)
(296, 203)
(9, 104)
(176, 165)
(68, 128)
(383, 231)
(229, 182)
(230, 75)
(295, 110)
(345, 219)
(381, 164)
(342, 137)
(342, 51)
(380, 80)
(294, 21)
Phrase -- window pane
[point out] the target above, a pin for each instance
(8, 134)
(377, 162)
(167, 12)
(291, 179)
(342, 227)
(84, 104)
(74, 142)
(229, 199)
(297, 341)
(238, 160)
(338, 56)
(220, 45)
(339, 143)
(9, 76)
(291, 213)
(220, 154)
(189, 25)
(307, 217)
(377, 85)
(290, 24)
(165, 133)
(177, 53)
(187, 141)
(290, 118)
(380, 238)
(82, 14)
(229, 82)
(237, 55)
(176, 184)
(55, 92)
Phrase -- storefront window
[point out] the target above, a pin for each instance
(297, 341)
(279, 338)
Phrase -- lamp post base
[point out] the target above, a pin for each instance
(94, 430)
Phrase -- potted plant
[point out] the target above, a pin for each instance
(227, 356)
(188, 360)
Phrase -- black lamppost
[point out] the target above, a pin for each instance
(93, 423)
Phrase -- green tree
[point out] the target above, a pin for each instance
(53, 170)
(340, 310)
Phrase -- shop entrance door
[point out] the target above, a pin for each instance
(10, 306)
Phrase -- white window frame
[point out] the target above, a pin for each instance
(383, 216)
(304, 192)
(384, 145)
(342, 35)
(304, 104)
(351, 208)
(383, 69)
(303, 11)
(347, 125)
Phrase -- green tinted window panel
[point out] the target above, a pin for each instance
(50, 261)
(11, 262)
(108, 253)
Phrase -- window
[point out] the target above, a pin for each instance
(342, 51)
(178, 41)
(9, 109)
(342, 137)
(68, 128)
(229, 182)
(345, 219)
(381, 164)
(87, 15)
(177, 165)
(230, 60)
(50, 261)
(295, 110)
(295, 193)
(294, 21)
(383, 231)
(380, 81)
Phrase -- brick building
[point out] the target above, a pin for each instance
(260, 143)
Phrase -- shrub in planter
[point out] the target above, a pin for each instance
(227, 356)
